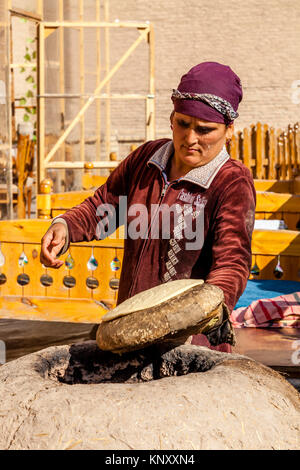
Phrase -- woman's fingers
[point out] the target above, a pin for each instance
(52, 243)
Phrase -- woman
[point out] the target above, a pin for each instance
(210, 197)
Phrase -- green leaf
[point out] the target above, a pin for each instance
(34, 69)
(28, 110)
(27, 57)
(34, 55)
(26, 118)
(34, 138)
(22, 69)
(30, 79)
(34, 86)
(29, 94)
(33, 110)
(30, 40)
(23, 101)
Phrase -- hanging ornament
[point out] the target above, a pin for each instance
(255, 271)
(69, 262)
(92, 263)
(22, 260)
(115, 264)
(2, 258)
(278, 271)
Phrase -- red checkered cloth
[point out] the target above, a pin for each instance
(278, 312)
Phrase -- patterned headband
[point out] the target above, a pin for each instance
(221, 105)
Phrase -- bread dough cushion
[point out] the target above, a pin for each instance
(169, 311)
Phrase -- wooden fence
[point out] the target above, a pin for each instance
(267, 152)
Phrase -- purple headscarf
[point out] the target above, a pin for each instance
(209, 91)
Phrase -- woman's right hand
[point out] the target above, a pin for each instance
(52, 243)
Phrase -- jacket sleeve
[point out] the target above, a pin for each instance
(232, 233)
(98, 216)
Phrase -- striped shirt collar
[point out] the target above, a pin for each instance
(203, 175)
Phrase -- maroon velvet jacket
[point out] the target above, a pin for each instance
(223, 188)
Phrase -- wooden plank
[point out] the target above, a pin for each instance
(150, 103)
(41, 105)
(26, 14)
(69, 199)
(98, 78)
(79, 165)
(62, 103)
(81, 68)
(259, 151)
(272, 154)
(246, 148)
(284, 165)
(277, 202)
(31, 231)
(107, 68)
(291, 153)
(95, 24)
(273, 185)
(51, 309)
(274, 242)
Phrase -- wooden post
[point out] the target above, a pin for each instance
(44, 199)
(62, 81)
(233, 147)
(40, 8)
(246, 148)
(265, 151)
(150, 104)
(41, 105)
(259, 151)
(107, 67)
(291, 152)
(113, 158)
(285, 155)
(87, 174)
(98, 72)
(272, 154)
(297, 146)
(81, 61)
(9, 116)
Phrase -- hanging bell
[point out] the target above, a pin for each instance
(92, 263)
(2, 258)
(278, 271)
(69, 262)
(22, 260)
(255, 271)
(115, 264)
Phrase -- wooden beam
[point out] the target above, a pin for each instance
(107, 67)
(96, 24)
(41, 105)
(25, 14)
(98, 77)
(78, 165)
(150, 104)
(62, 79)
(81, 68)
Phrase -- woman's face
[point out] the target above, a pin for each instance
(197, 142)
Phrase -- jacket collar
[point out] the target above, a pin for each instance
(203, 175)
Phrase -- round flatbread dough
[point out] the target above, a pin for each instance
(169, 311)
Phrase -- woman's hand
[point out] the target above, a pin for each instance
(52, 243)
